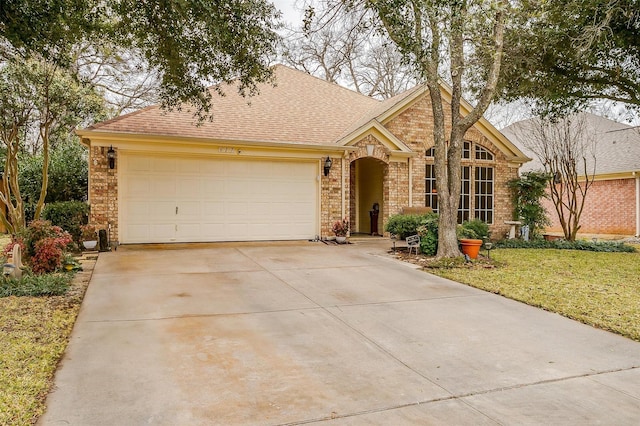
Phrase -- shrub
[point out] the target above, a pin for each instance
(603, 246)
(69, 215)
(43, 246)
(404, 225)
(429, 235)
(36, 285)
(474, 229)
(527, 193)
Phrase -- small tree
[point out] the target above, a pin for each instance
(39, 104)
(566, 149)
(528, 191)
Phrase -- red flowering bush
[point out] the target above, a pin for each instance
(43, 246)
(8, 249)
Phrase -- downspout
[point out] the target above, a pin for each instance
(637, 175)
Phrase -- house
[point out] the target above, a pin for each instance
(283, 165)
(612, 204)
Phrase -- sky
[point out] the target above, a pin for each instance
(289, 14)
(501, 116)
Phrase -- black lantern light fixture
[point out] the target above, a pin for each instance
(327, 165)
(111, 156)
(557, 178)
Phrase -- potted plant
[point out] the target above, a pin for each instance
(341, 229)
(89, 236)
(471, 235)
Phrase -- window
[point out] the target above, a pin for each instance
(476, 184)
(431, 195)
(484, 194)
(483, 153)
(464, 210)
(466, 150)
(431, 152)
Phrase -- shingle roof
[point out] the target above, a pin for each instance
(617, 145)
(299, 109)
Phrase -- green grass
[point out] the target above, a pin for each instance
(34, 332)
(36, 285)
(33, 335)
(600, 289)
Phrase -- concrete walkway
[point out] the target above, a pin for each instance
(305, 333)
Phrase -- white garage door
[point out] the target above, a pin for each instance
(184, 199)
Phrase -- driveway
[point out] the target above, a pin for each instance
(305, 333)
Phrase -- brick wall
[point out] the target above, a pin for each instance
(331, 195)
(103, 191)
(609, 209)
(414, 127)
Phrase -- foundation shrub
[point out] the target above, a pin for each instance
(602, 246)
(404, 225)
(428, 232)
(69, 215)
(43, 246)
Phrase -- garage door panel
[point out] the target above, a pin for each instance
(139, 187)
(189, 210)
(189, 232)
(212, 187)
(162, 232)
(188, 188)
(212, 209)
(162, 186)
(164, 165)
(204, 199)
(159, 211)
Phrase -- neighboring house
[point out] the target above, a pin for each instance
(257, 170)
(612, 206)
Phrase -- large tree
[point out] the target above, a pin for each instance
(574, 52)
(39, 103)
(341, 46)
(460, 41)
(190, 44)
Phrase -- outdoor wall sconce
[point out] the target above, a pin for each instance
(557, 178)
(370, 149)
(327, 165)
(111, 156)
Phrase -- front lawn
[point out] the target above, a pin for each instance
(34, 332)
(600, 289)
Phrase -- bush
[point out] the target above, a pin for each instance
(36, 285)
(43, 246)
(527, 193)
(473, 229)
(69, 215)
(603, 246)
(429, 235)
(404, 225)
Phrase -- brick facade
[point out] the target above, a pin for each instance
(402, 174)
(610, 208)
(103, 191)
(413, 127)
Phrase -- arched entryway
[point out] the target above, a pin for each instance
(367, 190)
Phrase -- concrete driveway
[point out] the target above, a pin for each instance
(297, 333)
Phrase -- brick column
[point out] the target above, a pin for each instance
(103, 191)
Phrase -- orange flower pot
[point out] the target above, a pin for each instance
(471, 247)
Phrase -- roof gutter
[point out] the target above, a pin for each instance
(86, 136)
